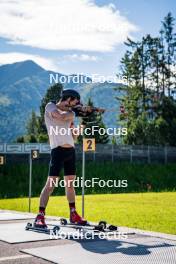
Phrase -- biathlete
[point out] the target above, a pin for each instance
(62, 155)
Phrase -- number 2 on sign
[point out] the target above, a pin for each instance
(89, 144)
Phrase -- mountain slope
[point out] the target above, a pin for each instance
(23, 85)
(11, 73)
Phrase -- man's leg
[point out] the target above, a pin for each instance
(44, 198)
(70, 190)
(55, 166)
(70, 193)
(47, 191)
(69, 172)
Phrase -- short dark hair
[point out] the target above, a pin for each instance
(65, 97)
(70, 93)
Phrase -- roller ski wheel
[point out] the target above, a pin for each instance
(56, 230)
(101, 226)
(63, 221)
(112, 228)
(28, 226)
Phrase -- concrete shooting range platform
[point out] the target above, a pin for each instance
(7, 215)
(138, 247)
(16, 233)
(135, 250)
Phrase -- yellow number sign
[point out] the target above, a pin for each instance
(2, 160)
(34, 153)
(89, 144)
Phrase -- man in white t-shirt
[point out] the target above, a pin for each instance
(62, 154)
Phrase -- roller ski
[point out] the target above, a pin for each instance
(40, 226)
(102, 226)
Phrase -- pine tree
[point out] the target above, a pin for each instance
(170, 49)
(20, 139)
(53, 94)
(149, 107)
(32, 125)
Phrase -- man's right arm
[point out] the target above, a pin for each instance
(51, 108)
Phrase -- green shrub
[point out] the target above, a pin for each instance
(14, 179)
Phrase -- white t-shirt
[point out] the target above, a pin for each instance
(58, 131)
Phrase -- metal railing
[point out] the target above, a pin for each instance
(146, 154)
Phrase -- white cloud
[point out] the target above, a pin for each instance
(81, 57)
(4, 100)
(63, 24)
(11, 57)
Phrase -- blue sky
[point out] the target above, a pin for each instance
(76, 36)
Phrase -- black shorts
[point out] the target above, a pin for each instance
(62, 158)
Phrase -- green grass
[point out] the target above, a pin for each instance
(149, 211)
